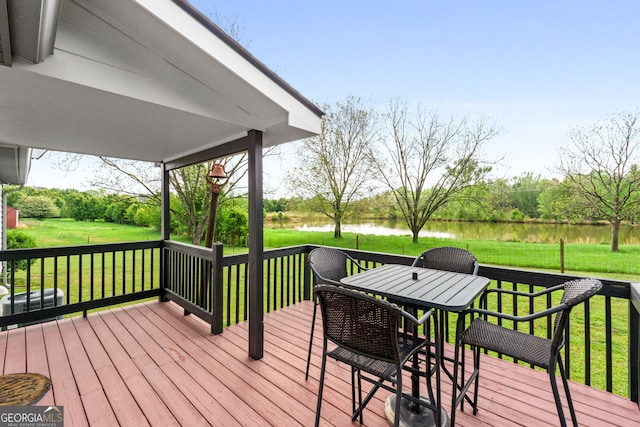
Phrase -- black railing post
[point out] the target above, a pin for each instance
(634, 344)
(256, 246)
(216, 289)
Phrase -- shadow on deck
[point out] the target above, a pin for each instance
(148, 364)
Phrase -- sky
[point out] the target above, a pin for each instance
(536, 68)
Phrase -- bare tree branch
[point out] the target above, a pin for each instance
(337, 164)
(432, 160)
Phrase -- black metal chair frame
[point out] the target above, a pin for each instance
(368, 337)
(448, 258)
(328, 265)
(538, 351)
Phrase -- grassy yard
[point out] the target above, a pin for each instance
(591, 259)
(587, 259)
(69, 232)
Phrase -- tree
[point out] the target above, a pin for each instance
(141, 180)
(427, 150)
(38, 207)
(559, 202)
(526, 191)
(336, 165)
(601, 167)
(233, 223)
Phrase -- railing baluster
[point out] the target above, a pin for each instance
(91, 275)
(124, 273)
(133, 270)
(269, 282)
(80, 279)
(239, 281)
(55, 280)
(609, 341)
(231, 288)
(587, 343)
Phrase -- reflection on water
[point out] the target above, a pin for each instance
(540, 233)
(376, 230)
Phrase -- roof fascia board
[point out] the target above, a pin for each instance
(237, 47)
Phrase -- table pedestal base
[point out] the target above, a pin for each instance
(409, 418)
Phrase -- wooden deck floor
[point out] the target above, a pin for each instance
(148, 364)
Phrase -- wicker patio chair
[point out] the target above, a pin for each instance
(448, 258)
(538, 351)
(367, 335)
(328, 266)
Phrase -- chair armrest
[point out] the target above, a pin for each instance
(360, 266)
(526, 318)
(324, 280)
(419, 321)
(485, 294)
(416, 261)
(524, 294)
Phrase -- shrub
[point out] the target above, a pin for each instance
(18, 240)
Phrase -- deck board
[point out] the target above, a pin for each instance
(148, 364)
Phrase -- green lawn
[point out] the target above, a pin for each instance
(588, 259)
(69, 232)
(591, 259)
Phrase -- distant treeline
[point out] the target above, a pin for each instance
(521, 198)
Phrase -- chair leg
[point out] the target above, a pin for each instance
(459, 381)
(320, 387)
(556, 393)
(396, 415)
(429, 373)
(313, 326)
(476, 370)
(356, 410)
(454, 380)
(360, 396)
(565, 383)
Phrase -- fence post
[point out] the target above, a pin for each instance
(216, 289)
(634, 344)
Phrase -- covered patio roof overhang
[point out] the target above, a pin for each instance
(150, 80)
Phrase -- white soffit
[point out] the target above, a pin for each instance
(143, 80)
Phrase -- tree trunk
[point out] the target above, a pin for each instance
(415, 235)
(337, 231)
(615, 231)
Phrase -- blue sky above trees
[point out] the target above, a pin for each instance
(537, 68)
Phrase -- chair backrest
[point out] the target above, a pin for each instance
(328, 265)
(448, 258)
(575, 292)
(360, 322)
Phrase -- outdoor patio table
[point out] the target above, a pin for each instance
(421, 288)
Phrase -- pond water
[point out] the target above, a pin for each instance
(542, 233)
